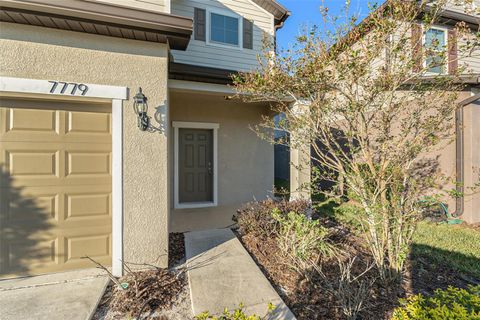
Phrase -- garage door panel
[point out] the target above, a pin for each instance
(86, 208)
(54, 122)
(88, 163)
(33, 163)
(93, 246)
(22, 256)
(88, 123)
(31, 120)
(37, 207)
(55, 187)
(54, 164)
(21, 124)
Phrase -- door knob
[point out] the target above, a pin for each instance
(209, 168)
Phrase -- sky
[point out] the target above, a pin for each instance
(307, 13)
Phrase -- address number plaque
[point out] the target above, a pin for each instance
(71, 88)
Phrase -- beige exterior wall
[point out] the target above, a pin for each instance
(42, 53)
(245, 162)
(153, 5)
(446, 157)
(210, 55)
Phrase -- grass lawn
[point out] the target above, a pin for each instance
(454, 245)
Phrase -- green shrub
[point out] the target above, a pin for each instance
(302, 240)
(452, 303)
(256, 217)
(237, 314)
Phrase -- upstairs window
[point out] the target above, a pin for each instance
(224, 29)
(435, 50)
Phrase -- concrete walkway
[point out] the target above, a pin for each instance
(222, 274)
(70, 295)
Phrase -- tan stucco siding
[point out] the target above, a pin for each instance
(445, 158)
(42, 53)
(245, 162)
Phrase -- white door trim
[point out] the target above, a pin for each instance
(21, 87)
(195, 125)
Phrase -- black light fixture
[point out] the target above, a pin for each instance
(140, 106)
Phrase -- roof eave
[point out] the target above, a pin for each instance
(144, 24)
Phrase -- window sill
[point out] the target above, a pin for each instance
(194, 205)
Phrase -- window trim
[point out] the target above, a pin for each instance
(209, 11)
(194, 125)
(424, 42)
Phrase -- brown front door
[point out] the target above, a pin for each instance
(195, 165)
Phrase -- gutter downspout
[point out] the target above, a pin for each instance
(460, 148)
(459, 170)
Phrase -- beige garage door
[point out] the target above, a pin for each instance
(55, 186)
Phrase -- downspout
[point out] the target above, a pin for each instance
(459, 170)
(459, 150)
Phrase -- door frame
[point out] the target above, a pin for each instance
(115, 95)
(194, 125)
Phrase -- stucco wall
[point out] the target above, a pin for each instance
(245, 162)
(42, 53)
(446, 157)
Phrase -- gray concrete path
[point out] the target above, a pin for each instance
(69, 295)
(222, 274)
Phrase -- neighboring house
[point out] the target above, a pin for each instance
(78, 176)
(459, 160)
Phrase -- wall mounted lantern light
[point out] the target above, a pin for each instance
(140, 106)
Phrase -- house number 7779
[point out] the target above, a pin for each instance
(68, 88)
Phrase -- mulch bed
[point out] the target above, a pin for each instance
(176, 248)
(308, 300)
(149, 290)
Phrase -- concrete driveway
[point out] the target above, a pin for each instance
(69, 295)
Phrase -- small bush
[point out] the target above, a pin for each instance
(256, 217)
(452, 303)
(302, 240)
(237, 314)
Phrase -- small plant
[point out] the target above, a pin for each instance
(452, 303)
(350, 290)
(256, 217)
(302, 240)
(237, 314)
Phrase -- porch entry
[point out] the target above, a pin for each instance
(195, 165)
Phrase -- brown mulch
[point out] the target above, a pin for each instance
(176, 248)
(148, 290)
(308, 300)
